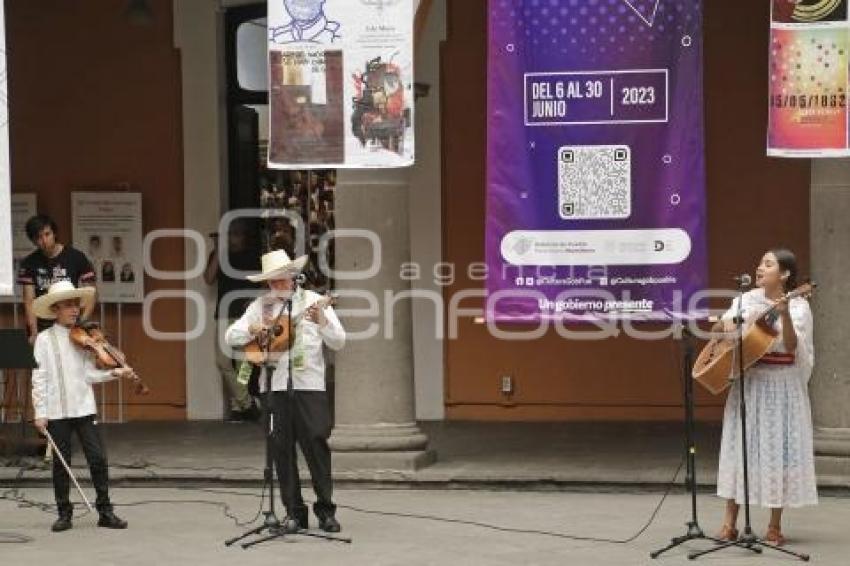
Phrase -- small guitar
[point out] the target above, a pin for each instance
(280, 340)
(717, 366)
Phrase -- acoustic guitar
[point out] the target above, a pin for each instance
(717, 365)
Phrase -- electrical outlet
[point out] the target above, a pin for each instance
(507, 384)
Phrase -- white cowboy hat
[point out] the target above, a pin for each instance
(61, 291)
(278, 265)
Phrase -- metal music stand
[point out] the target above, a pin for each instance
(16, 354)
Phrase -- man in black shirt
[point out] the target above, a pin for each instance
(51, 262)
(241, 257)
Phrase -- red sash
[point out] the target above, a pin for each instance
(777, 359)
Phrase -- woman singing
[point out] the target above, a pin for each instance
(779, 421)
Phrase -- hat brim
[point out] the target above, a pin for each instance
(292, 269)
(41, 305)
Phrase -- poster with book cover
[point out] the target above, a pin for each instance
(340, 84)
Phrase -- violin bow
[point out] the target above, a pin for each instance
(65, 465)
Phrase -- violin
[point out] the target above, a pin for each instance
(279, 339)
(89, 336)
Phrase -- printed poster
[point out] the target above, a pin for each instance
(23, 208)
(809, 41)
(341, 83)
(107, 227)
(595, 161)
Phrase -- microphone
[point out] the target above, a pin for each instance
(300, 279)
(744, 279)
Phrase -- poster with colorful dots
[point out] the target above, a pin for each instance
(595, 160)
(809, 41)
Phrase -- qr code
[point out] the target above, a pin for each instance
(594, 182)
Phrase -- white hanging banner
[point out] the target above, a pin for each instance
(23, 208)
(107, 228)
(340, 83)
(7, 272)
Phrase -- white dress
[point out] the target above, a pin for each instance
(779, 420)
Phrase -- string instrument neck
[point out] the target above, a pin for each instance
(770, 315)
(107, 356)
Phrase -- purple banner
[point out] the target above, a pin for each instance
(595, 165)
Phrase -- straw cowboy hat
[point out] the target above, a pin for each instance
(61, 291)
(278, 265)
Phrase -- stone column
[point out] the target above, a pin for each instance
(830, 385)
(375, 417)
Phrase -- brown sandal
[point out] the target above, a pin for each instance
(774, 536)
(727, 533)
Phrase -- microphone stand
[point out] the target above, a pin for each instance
(694, 531)
(271, 523)
(748, 540)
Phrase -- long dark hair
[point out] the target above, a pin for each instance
(787, 262)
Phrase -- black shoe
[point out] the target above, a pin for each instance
(253, 414)
(110, 520)
(236, 417)
(301, 516)
(63, 523)
(329, 524)
(288, 525)
(250, 415)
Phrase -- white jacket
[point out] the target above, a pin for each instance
(310, 376)
(61, 385)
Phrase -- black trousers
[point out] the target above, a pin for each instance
(303, 417)
(86, 428)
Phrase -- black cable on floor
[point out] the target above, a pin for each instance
(14, 494)
(226, 510)
(489, 526)
(146, 465)
(14, 538)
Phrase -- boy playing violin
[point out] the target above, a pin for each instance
(63, 399)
